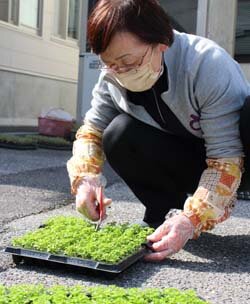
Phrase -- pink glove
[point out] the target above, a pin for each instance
(170, 237)
(87, 196)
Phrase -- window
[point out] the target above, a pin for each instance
(25, 13)
(4, 10)
(9, 11)
(91, 5)
(67, 19)
(29, 13)
(14, 12)
(60, 18)
(73, 19)
(183, 14)
(242, 40)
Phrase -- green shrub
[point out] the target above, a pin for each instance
(31, 294)
(13, 139)
(75, 127)
(41, 139)
(76, 237)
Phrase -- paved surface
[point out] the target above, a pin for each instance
(34, 186)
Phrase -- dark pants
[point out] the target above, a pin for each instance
(158, 167)
(245, 138)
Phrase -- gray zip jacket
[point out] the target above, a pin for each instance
(206, 92)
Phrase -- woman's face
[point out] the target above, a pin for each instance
(126, 52)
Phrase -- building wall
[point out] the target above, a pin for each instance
(24, 96)
(36, 71)
(41, 71)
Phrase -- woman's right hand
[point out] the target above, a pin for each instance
(87, 199)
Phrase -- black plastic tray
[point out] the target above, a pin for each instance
(55, 147)
(22, 254)
(243, 195)
(17, 146)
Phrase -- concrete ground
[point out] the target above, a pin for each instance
(34, 186)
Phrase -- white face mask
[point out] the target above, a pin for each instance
(141, 79)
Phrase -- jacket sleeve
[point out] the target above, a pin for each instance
(88, 156)
(220, 89)
(103, 109)
(214, 199)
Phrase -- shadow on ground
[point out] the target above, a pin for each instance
(131, 277)
(52, 179)
(226, 254)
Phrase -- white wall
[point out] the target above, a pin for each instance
(22, 97)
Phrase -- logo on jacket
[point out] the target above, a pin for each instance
(195, 122)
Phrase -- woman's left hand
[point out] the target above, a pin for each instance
(170, 237)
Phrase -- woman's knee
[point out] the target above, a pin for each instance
(117, 135)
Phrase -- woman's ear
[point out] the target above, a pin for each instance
(163, 47)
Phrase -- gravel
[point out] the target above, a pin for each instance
(216, 266)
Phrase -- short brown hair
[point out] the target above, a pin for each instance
(146, 19)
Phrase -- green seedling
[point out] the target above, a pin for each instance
(38, 294)
(76, 237)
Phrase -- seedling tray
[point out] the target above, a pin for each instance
(72, 241)
(48, 142)
(20, 255)
(17, 146)
(55, 147)
(243, 195)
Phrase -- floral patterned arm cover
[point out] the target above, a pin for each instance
(214, 199)
(88, 156)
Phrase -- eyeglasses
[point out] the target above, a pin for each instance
(137, 61)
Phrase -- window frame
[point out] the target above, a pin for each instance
(64, 38)
(241, 58)
(78, 25)
(39, 19)
(9, 17)
(175, 20)
(16, 23)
